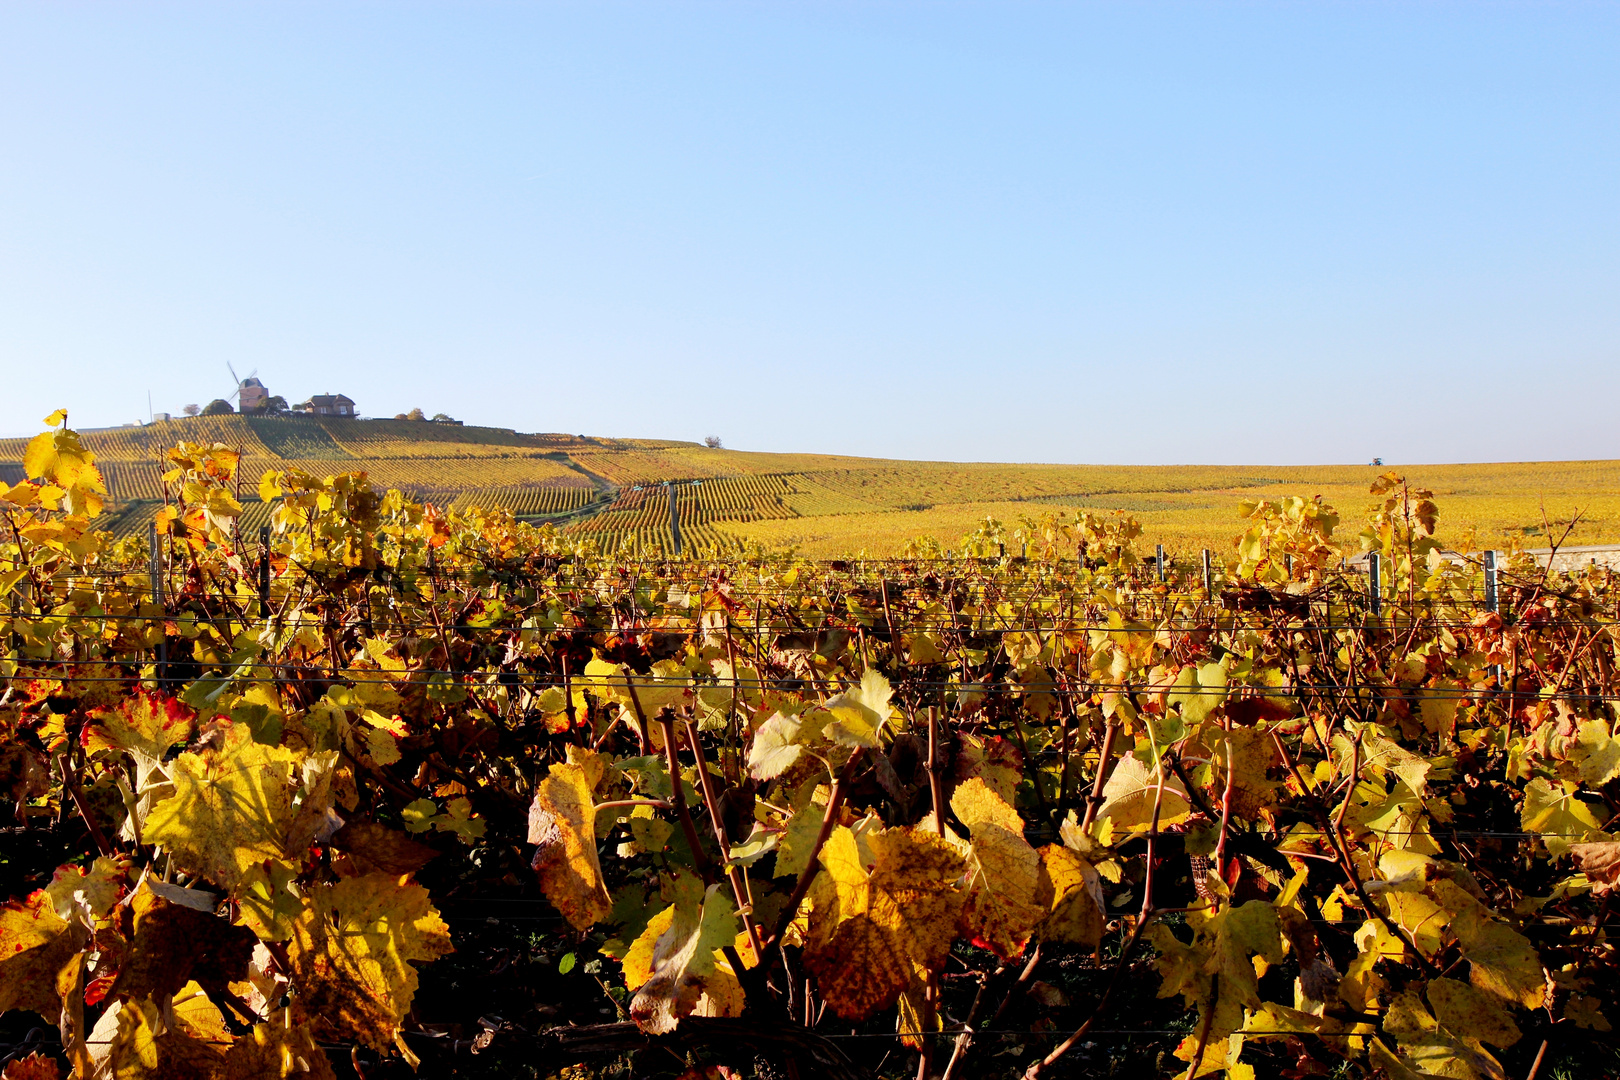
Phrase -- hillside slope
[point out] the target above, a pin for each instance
(613, 489)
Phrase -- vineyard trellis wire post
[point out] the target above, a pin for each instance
(1159, 559)
(1209, 581)
(155, 572)
(1374, 588)
(1492, 603)
(674, 516)
(1490, 581)
(264, 571)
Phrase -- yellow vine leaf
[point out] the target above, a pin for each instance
(637, 962)
(775, 747)
(1275, 1022)
(269, 900)
(975, 801)
(140, 1039)
(1597, 754)
(39, 955)
(1180, 967)
(352, 951)
(1240, 933)
(1003, 871)
(1396, 1069)
(1069, 890)
(1435, 1045)
(800, 836)
(1500, 959)
(1252, 753)
(1230, 944)
(675, 965)
(1558, 813)
(997, 761)
(1585, 1012)
(59, 456)
(146, 726)
(1129, 795)
(916, 1016)
(872, 926)
(232, 808)
(275, 1052)
(1472, 1012)
(562, 826)
(861, 712)
(1416, 913)
(1198, 691)
(89, 894)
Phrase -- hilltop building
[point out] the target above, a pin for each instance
(327, 405)
(252, 395)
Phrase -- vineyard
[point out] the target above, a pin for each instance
(523, 501)
(639, 519)
(530, 475)
(822, 506)
(407, 791)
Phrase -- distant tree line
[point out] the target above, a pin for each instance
(273, 406)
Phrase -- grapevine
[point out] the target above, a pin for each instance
(409, 787)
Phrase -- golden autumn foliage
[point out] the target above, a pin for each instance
(875, 920)
(757, 798)
(562, 828)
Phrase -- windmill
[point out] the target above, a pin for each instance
(249, 387)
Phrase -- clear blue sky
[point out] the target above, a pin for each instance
(1245, 232)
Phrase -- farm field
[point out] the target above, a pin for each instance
(610, 490)
(1187, 509)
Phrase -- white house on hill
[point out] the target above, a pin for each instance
(329, 405)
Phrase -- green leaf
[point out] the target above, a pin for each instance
(1198, 691)
(793, 854)
(419, 815)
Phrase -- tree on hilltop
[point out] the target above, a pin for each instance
(218, 407)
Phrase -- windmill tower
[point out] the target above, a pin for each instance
(250, 393)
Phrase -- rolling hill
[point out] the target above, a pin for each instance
(612, 490)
